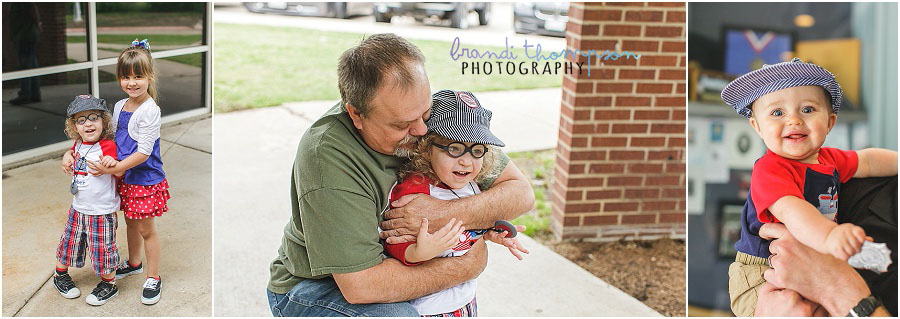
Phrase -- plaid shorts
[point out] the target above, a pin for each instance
(95, 231)
(469, 310)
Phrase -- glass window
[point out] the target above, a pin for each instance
(180, 83)
(40, 119)
(43, 34)
(166, 25)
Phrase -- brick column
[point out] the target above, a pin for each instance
(620, 168)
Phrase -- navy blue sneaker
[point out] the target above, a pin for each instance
(152, 288)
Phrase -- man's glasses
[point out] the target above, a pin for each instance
(457, 149)
(93, 117)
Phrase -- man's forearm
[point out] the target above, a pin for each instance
(510, 196)
(506, 200)
(391, 281)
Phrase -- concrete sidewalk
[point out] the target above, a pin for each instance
(256, 164)
(35, 201)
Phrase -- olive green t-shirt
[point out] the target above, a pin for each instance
(341, 187)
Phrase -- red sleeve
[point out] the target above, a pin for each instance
(771, 180)
(846, 162)
(109, 148)
(73, 146)
(398, 251)
(413, 184)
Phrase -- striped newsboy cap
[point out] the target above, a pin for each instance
(741, 92)
(459, 116)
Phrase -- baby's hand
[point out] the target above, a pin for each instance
(428, 246)
(511, 243)
(845, 240)
(108, 161)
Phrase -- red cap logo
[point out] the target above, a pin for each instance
(468, 99)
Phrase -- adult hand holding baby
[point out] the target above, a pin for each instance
(801, 269)
(403, 221)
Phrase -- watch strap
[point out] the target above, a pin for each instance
(865, 307)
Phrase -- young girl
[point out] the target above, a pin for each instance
(144, 189)
(92, 218)
(445, 163)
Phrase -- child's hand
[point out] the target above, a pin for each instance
(511, 243)
(845, 240)
(108, 161)
(97, 168)
(428, 246)
(68, 160)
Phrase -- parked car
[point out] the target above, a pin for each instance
(547, 18)
(340, 10)
(456, 12)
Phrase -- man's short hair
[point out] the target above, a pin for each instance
(378, 59)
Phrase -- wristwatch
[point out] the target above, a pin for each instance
(865, 307)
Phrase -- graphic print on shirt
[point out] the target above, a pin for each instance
(80, 168)
(466, 240)
(821, 190)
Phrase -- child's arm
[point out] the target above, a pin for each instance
(511, 243)
(132, 160)
(109, 162)
(68, 160)
(428, 246)
(874, 162)
(809, 227)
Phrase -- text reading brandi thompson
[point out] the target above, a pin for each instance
(488, 62)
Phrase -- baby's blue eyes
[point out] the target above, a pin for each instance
(806, 109)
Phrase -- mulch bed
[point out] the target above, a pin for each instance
(651, 271)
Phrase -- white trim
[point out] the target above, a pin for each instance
(92, 47)
(40, 153)
(209, 56)
(15, 75)
(182, 51)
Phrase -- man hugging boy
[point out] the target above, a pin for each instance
(792, 106)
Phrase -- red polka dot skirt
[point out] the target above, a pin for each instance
(139, 201)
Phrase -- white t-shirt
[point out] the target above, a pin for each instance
(96, 194)
(453, 298)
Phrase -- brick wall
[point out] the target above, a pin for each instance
(620, 169)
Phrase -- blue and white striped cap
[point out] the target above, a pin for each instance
(459, 116)
(741, 92)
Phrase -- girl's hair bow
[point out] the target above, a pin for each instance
(141, 44)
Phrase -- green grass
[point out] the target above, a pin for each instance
(260, 66)
(195, 59)
(154, 39)
(140, 19)
(538, 166)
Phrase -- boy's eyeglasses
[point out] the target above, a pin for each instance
(457, 149)
(93, 117)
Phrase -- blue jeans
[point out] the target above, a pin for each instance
(322, 298)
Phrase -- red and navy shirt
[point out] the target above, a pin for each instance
(775, 177)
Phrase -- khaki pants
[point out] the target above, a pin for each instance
(745, 276)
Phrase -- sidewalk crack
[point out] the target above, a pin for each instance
(175, 142)
(295, 113)
(31, 297)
